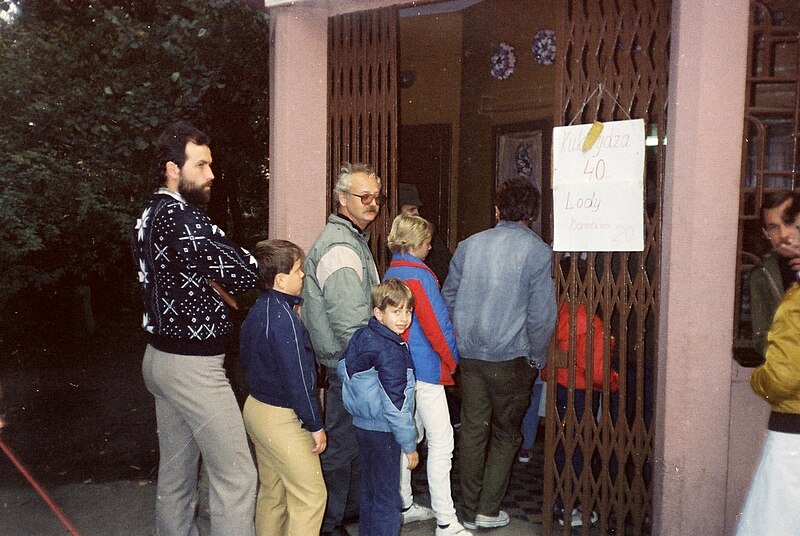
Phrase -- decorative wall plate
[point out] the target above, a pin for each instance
(544, 46)
(503, 61)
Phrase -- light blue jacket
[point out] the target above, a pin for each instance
(500, 295)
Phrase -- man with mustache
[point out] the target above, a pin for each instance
(778, 270)
(340, 273)
(178, 254)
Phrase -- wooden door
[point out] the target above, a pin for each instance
(425, 163)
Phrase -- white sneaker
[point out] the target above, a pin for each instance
(453, 528)
(577, 518)
(490, 522)
(417, 512)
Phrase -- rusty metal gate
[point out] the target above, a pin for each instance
(613, 59)
(363, 106)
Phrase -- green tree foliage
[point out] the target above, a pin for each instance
(84, 89)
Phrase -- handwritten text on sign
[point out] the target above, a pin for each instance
(598, 194)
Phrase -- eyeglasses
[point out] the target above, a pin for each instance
(367, 199)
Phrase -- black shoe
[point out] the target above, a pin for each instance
(338, 531)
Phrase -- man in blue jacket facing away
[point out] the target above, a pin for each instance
(499, 292)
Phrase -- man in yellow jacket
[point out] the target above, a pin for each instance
(774, 495)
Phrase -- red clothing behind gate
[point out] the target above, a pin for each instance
(562, 333)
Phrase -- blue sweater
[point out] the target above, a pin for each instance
(277, 358)
(378, 383)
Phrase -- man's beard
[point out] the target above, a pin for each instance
(196, 195)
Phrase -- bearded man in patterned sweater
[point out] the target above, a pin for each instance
(179, 254)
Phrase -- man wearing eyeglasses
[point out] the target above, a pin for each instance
(340, 273)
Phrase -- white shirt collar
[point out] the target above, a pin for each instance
(171, 193)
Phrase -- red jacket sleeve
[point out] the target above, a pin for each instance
(430, 325)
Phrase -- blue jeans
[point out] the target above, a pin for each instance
(530, 423)
(380, 483)
(577, 455)
(340, 464)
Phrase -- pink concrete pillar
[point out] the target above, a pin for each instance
(298, 126)
(701, 197)
(298, 114)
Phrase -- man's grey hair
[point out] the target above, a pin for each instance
(345, 180)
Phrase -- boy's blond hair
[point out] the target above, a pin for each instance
(408, 232)
(392, 293)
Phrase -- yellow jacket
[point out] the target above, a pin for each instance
(778, 380)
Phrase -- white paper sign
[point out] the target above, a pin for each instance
(598, 196)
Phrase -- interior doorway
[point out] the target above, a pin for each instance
(401, 80)
(425, 163)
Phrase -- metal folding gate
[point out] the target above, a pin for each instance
(613, 60)
(362, 105)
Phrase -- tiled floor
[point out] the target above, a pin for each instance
(523, 499)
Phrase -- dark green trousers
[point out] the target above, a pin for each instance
(494, 399)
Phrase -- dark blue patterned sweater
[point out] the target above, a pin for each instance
(178, 251)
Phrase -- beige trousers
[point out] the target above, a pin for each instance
(291, 491)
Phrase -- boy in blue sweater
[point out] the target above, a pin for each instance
(378, 390)
(281, 414)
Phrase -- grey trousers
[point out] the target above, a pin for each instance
(197, 414)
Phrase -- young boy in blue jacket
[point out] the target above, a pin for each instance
(378, 391)
(281, 414)
(433, 351)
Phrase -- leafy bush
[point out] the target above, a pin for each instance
(85, 87)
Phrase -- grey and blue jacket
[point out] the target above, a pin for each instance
(378, 383)
(340, 274)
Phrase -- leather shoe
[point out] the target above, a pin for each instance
(338, 531)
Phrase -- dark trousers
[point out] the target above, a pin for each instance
(380, 484)
(340, 464)
(495, 397)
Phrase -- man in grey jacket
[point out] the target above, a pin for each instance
(340, 273)
(500, 296)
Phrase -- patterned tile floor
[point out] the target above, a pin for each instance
(523, 499)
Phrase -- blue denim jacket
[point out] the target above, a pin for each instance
(500, 295)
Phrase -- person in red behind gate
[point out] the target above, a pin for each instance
(562, 382)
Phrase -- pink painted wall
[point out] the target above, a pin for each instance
(298, 112)
(706, 102)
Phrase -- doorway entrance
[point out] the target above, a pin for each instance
(397, 75)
